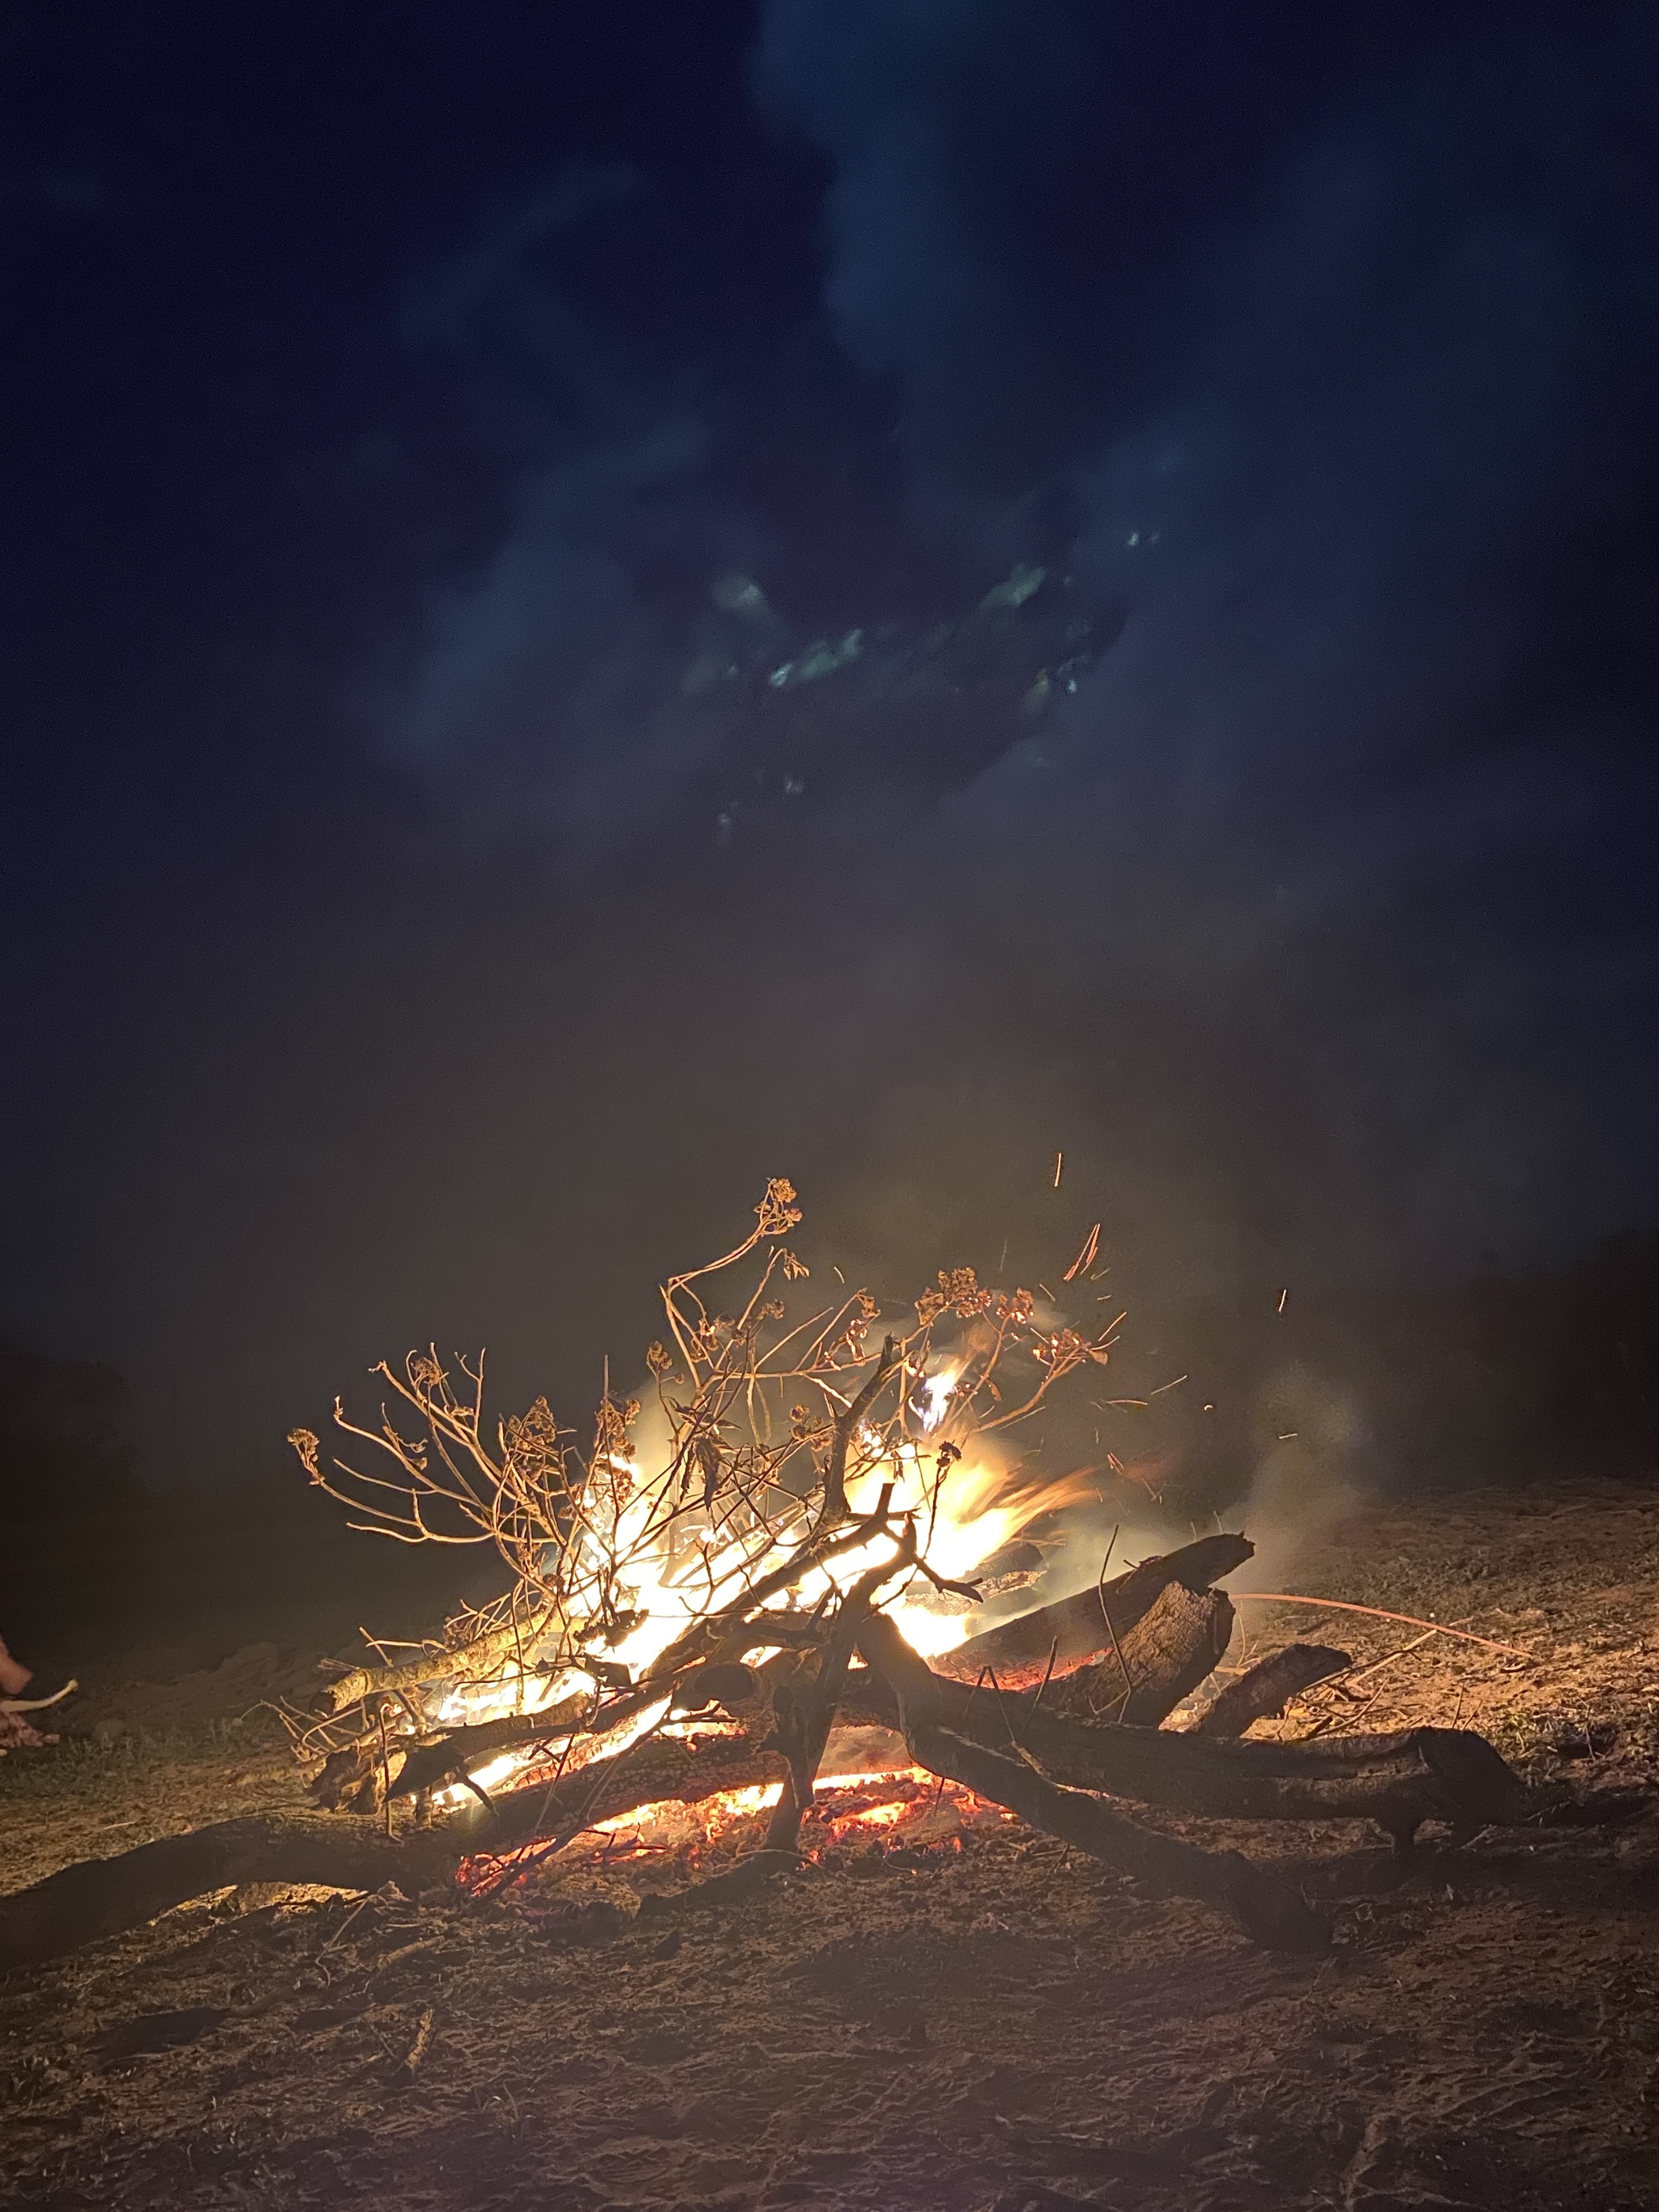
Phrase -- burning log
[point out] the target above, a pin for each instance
(478, 1657)
(447, 1759)
(99, 1898)
(653, 1772)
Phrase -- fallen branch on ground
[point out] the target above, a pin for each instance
(1076, 1630)
(1398, 1781)
(1268, 1909)
(99, 1898)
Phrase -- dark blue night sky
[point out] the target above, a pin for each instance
(605, 603)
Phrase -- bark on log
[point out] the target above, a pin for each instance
(1171, 1647)
(1076, 1630)
(1398, 1781)
(655, 1771)
(103, 1896)
(1265, 1690)
(98, 1898)
(1269, 1909)
(429, 1765)
(468, 1662)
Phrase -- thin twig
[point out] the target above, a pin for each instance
(1377, 1612)
(1106, 1615)
(385, 1771)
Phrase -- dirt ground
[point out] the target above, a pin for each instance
(974, 2020)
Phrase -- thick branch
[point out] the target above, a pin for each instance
(99, 1898)
(1398, 1781)
(1270, 1909)
(1176, 1642)
(468, 1662)
(102, 1897)
(429, 1766)
(649, 1772)
(1267, 1688)
(1077, 1629)
(845, 1429)
(803, 1719)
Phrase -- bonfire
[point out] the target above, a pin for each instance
(704, 1563)
(786, 1590)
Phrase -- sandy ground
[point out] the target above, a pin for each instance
(972, 2021)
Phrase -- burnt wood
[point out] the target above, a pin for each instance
(1169, 1650)
(98, 1898)
(1077, 1629)
(1400, 1780)
(1268, 1909)
(1263, 1691)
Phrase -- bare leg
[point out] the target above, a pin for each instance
(14, 1678)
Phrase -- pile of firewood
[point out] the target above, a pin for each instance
(795, 1495)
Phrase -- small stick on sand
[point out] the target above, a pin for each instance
(1377, 1612)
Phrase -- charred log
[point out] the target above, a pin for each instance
(99, 1898)
(1168, 1652)
(658, 1770)
(1263, 1691)
(1269, 1910)
(1077, 1630)
(1400, 1781)
(104, 1897)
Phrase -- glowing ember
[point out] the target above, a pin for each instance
(897, 1803)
